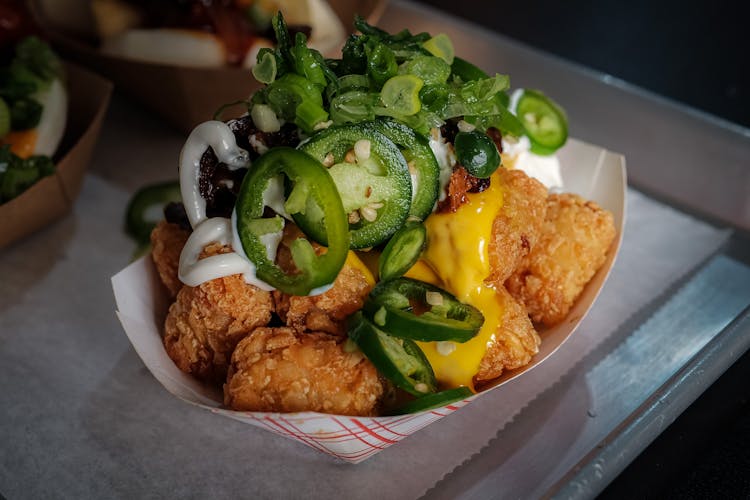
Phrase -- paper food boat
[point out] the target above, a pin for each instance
(182, 96)
(54, 195)
(590, 171)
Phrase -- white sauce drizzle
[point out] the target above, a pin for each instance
(193, 271)
(219, 137)
(445, 157)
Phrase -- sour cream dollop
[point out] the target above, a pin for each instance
(545, 169)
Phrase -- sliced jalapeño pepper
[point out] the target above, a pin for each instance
(372, 179)
(477, 153)
(411, 309)
(146, 209)
(432, 401)
(466, 71)
(311, 186)
(544, 121)
(422, 164)
(399, 360)
(402, 251)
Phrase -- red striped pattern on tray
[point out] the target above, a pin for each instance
(352, 439)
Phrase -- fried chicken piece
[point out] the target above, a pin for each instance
(518, 226)
(328, 311)
(574, 243)
(206, 322)
(167, 240)
(325, 312)
(278, 369)
(515, 342)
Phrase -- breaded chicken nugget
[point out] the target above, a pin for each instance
(325, 312)
(167, 240)
(205, 323)
(328, 311)
(278, 369)
(515, 340)
(574, 243)
(518, 225)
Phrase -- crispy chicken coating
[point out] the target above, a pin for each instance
(167, 240)
(206, 322)
(518, 226)
(328, 311)
(573, 246)
(278, 369)
(515, 340)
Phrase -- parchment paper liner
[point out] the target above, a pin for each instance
(593, 172)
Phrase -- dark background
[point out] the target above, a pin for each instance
(697, 53)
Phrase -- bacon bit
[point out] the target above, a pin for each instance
(461, 183)
(458, 186)
(368, 191)
(496, 137)
(350, 157)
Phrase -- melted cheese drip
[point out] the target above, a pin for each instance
(458, 258)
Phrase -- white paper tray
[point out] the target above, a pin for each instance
(590, 171)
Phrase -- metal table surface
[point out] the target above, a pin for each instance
(652, 162)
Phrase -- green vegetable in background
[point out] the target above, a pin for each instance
(17, 175)
(146, 207)
(32, 69)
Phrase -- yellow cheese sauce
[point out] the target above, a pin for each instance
(457, 259)
(353, 261)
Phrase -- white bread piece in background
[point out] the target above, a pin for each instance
(168, 46)
(114, 17)
(295, 11)
(73, 17)
(181, 47)
(328, 34)
(49, 132)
